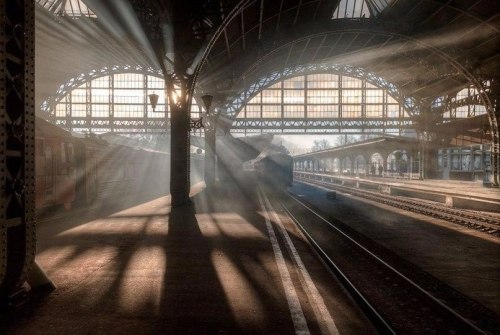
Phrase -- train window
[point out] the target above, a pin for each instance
(487, 161)
(63, 153)
(477, 160)
(466, 160)
(39, 147)
(440, 159)
(455, 159)
(70, 153)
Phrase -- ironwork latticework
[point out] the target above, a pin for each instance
(115, 99)
(321, 98)
(17, 136)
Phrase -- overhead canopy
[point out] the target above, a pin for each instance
(421, 46)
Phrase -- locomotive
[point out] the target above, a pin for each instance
(272, 167)
(74, 172)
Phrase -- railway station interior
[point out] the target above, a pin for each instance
(250, 167)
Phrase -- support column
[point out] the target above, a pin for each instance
(495, 122)
(179, 141)
(210, 124)
(210, 160)
(17, 145)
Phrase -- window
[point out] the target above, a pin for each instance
(351, 111)
(293, 111)
(122, 95)
(322, 96)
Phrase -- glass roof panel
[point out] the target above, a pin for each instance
(70, 8)
(355, 9)
(348, 9)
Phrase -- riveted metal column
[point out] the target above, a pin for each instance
(210, 161)
(495, 140)
(179, 103)
(17, 144)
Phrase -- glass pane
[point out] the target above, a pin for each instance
(129, 96)
(79, 110)
(293, 111)
(296, 82)
(322, 96)
(271, 96)
(351, 96)
(271, 111)
(100, 110)
(101, 82)
(349, 82)
(351, 111)
(293, 96)
(78, 96)
(255, 99)
(128, 80)
(100, 95)
(374, 111)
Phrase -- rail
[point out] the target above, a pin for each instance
(452, 317)
(483, 222)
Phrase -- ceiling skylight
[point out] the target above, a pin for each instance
(70, 8)
(356, 9)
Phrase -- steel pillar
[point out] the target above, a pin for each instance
(17, 144)
(210, 161)
(495, 140)
(179, 102)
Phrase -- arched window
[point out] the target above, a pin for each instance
(113, 103)
(325, 99)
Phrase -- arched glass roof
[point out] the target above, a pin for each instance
(352, 9)
(69, 8)
(320, 102)
(114, 103)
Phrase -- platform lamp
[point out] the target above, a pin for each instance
(153, 100)
(207, 101)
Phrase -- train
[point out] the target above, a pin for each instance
(76, 171)
(272, 167)
(471, 163)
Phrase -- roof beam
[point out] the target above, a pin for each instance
(304, 51)
(317, 8)
(297, 12)
(261, 16)
(319, 47)
(279, 15)
(288, 56)
(243, 31)
(226, 39)
(335, 45)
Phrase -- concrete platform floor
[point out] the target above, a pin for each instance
(210, 268)
(474, 189)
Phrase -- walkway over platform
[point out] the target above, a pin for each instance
(461, 194)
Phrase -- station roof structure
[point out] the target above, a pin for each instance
(427, 48)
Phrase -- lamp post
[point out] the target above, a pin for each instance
(209, 122)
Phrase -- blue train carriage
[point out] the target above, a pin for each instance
(472, 163)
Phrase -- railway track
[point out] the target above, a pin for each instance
(392, 299)
(471, 219)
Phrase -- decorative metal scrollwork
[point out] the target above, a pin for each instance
(196, 123)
